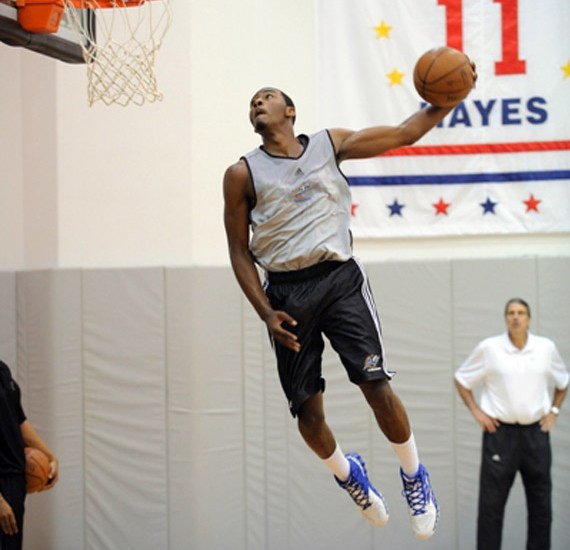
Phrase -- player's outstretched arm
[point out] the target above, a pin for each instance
(371, 142)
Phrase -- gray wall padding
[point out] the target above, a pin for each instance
(158, 390)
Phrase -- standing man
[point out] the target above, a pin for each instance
(16, 432)
(516, 412)
(293, 197)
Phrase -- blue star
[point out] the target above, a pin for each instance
(488, 206)
(395, 208)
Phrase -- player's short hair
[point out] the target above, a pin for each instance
(517, 301)
(288, 102)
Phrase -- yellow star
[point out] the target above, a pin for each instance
(382, 30)
(395, 77)
(566, 69)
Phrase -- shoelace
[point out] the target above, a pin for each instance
(358, 494)
(415, 495)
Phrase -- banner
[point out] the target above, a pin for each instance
(500, 161)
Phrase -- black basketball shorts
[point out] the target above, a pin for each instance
(331, 299)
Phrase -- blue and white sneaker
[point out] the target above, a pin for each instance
(423, 510)
(371, 503)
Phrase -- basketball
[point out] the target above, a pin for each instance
(443, 76)
(37, 470)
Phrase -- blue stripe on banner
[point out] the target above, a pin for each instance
(454, 179)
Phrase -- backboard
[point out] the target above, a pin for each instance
(63, 45)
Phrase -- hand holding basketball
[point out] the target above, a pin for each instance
(37, 470)
(444, 76)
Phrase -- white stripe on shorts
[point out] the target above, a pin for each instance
(369, 299)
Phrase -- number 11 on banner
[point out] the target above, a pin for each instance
(510, 63)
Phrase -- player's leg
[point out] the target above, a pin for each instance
(313, 427)
(535, 472)
(319, 437)
(392, 419)
(388, 410)
(301, 379)
(349, 470)
(353, 327)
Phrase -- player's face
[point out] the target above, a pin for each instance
(517, 318)
(267, 106)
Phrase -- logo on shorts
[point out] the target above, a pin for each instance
(371, 363)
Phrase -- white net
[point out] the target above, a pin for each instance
(121, 47)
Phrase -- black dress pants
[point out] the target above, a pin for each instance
(13, 489)
(515, 448)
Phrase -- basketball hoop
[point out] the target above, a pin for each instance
(120, 51)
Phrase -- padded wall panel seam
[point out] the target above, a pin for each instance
(124, 409)
(413, 300)
(50, 353)
(481, 289)
(554, 321)
(205, 409)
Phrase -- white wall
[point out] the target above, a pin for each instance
(141, 186)
(11, 206)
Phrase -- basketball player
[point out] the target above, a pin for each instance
(292, 195)
(15, 433)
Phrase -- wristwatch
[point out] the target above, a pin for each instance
(555, 410)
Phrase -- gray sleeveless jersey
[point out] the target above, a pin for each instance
(303, 205)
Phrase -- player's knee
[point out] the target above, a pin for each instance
(381, 397)
(310, 417)
(377, 391)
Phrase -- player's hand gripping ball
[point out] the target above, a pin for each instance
(37, 470)
(444, 76)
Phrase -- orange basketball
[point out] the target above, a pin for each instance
(37, 470)
(443, 76)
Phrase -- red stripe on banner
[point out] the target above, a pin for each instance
(477, 149)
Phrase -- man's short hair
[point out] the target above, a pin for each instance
(517, 301)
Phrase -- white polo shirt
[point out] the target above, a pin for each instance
(515, 383)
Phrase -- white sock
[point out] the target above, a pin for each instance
(408, 455)
(338, 464)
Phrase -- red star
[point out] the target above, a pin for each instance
(532, 203)
(353, 209)
(441, 207)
